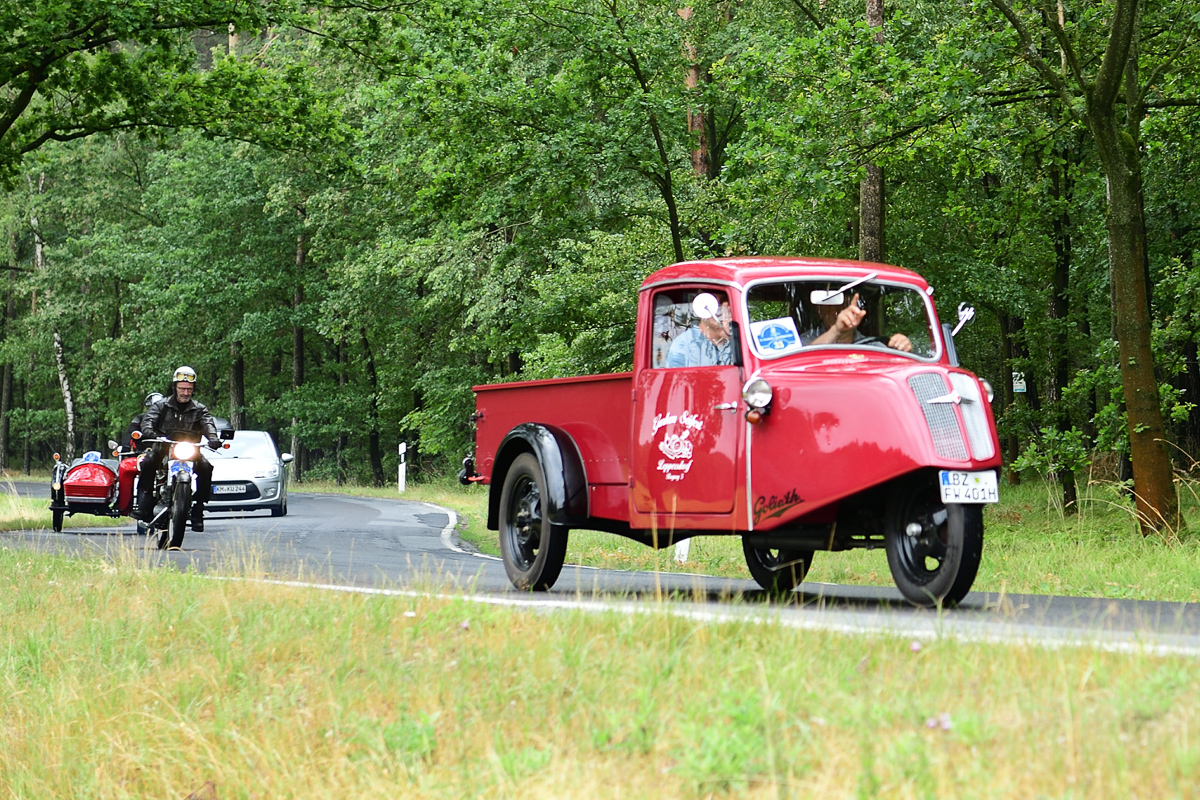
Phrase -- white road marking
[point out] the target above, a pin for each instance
(928, 628)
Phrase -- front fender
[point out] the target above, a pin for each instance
(562, 465)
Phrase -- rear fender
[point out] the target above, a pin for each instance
(556, 452)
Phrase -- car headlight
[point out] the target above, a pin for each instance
(757, 393)
(183, 451)
(269, 472)
(987, 389)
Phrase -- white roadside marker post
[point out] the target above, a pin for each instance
(681, 550)
(400, 481)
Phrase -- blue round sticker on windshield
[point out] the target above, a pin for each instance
(776, 337)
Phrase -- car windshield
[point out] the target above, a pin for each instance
(788, 316)
(245, 444)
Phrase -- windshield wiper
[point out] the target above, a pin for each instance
(835, 292)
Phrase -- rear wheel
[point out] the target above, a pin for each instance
(777, 571)
(533, 549)
(181, 503)
(933, 549)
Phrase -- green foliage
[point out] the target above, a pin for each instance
(365, 210)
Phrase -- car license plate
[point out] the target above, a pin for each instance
(968, 487)
(229, 488)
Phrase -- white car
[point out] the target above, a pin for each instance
(250, 475)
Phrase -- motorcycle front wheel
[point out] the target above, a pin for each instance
(181, 504)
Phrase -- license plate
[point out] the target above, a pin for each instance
(968, 487)
(229, 488)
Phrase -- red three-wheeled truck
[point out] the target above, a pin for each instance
(800, 404)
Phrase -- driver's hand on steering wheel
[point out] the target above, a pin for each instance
(900, 342)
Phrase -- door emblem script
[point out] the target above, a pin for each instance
(677, 447)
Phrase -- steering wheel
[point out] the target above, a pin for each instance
(870, 340)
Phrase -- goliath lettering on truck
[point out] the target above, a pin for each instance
(801, 404)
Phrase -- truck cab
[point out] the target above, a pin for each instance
(803, 405)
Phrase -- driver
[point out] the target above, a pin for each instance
(705, 343)
(841, 327)
(177, 417)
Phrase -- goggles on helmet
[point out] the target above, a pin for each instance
(184, 374)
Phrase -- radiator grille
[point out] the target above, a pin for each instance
(940, 417)
(979, 433)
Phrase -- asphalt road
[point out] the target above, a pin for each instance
(379, 544)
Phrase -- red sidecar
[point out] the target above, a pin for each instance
(92, 485)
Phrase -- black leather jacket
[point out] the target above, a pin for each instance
(171, 418)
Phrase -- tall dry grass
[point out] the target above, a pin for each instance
(122, 681)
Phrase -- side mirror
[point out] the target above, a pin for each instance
(966, 313)
(225, 434)
(287, 458)
(112, 444)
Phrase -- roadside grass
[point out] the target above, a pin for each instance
(125, 681)
(1030, 545)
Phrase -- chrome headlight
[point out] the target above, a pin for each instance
(269, 472)
(987, 389)
(757, 393)
(183, 451)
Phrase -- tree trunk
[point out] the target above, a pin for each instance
(68, 400)
(1118, 147)
(340, 455)
(1154, 488)
(6, 381)
(39, 264)
(237, 387)
(1060, 180)
(373, 446)
(300, 463)
(870, 190)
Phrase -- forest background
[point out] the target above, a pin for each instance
(345, 215)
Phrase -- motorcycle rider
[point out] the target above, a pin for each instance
(135, 424)
(178, 417)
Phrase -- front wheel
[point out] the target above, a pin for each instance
(57, 521)
(181, 504)
(533, 548)
(933, 549)
(777, 571)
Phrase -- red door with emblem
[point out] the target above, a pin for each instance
(686, 421)
(685, 455)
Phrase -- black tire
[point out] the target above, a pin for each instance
(57, 521)
(533, 549)
(181, 506)
(281, 509)
(937, 563)
(777, 571)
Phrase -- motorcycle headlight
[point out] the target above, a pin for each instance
(757, 393)
(183, 451)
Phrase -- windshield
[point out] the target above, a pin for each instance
(788, 316)
(248, 444)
